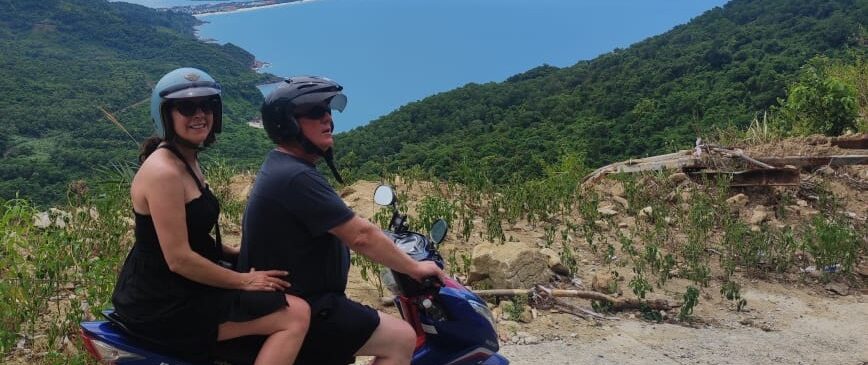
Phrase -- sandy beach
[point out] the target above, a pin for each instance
(253, 8)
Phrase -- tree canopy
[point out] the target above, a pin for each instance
(718, 70)
(63, 60)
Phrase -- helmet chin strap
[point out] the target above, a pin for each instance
(328, 155)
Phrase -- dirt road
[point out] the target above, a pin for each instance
(782, 330)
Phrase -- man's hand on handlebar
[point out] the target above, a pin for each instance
(427, 269)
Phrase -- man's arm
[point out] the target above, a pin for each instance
(365, 238)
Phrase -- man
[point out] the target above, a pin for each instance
(295, 222)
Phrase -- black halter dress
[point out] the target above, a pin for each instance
(172, 312)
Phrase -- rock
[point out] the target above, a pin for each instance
(602, 224)
(627, 222)
(526, 315)
(41, 220)
(838, 288)
(755, 228)
(510, 265)
(497, 314)
(554, 262)
(624, 203)
(801, 203)
(617, 189)
(503, 308)
(806, 212)
(759, 215)
(862, 269)
(646, 212)
(737, 201)
(678, 178)
(607, 211)
(826, 171)
(604, 282)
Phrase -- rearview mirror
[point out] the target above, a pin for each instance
(438, 231)
(384, 195)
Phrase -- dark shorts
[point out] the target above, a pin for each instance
(339, 327)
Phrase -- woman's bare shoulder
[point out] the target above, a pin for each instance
(161, 166)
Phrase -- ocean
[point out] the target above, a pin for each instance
(387, 53)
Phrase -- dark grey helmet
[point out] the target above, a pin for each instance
(297, 95)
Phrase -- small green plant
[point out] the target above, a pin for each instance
(640, 285)
(370, 271)
(383, 217)
(433, 208)
(602, 306)
(568, 258)
(650, 314)
(732, 291)
(515, 308)
(549, 235)
(831, 243)
(589, 202)
(691, 299)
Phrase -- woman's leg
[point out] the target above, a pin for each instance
(285, 329)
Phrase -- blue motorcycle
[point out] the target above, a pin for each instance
(453, 325)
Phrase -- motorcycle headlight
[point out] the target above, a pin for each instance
(483, 310)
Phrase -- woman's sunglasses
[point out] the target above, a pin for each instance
(188, 108)
(316, 112)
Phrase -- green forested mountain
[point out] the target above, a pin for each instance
(62, 60)
(720, 69)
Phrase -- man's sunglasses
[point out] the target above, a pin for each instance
(316, 112)
(188, 108)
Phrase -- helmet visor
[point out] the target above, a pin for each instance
(333, 100)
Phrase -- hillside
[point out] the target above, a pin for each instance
(62, 60)
(719, 70)
(775, 273)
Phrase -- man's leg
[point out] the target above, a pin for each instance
(392, 343)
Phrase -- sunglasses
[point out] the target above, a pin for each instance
(316, 112)
(188, 108)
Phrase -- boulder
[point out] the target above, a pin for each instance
(617, 189)
(512, 265)
(759, 215)
(624, 203)
(41, 220)
(678, 178)
(554, 263)
(607, 211)
(646, 212)
(737, 201)
(605, 282)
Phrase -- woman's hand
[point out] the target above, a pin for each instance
(269, 280)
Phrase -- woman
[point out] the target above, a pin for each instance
(171, 289)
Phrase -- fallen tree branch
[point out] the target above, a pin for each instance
(617, 303)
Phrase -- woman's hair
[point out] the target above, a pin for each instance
(149, 146)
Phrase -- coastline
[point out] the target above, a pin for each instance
(251, 8)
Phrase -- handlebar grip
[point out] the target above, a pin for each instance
(432, 282)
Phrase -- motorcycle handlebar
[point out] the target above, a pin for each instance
(432, 282)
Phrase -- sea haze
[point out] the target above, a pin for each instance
(387, 53)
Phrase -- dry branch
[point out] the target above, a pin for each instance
(617, 303)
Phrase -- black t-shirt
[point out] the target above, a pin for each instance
(289, 213)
